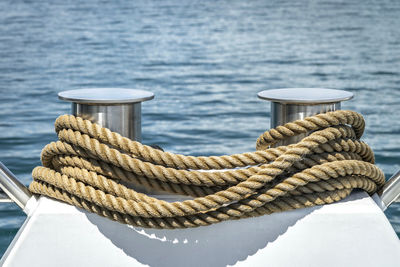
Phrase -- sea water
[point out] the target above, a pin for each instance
(204, 60)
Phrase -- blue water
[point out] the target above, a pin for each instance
(204, 60)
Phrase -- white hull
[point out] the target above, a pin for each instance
(353, 232)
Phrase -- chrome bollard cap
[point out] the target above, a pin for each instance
(118, 109)
(308, 96)
(290, 104)
(106, 96)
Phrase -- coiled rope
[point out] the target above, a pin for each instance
(95, 169)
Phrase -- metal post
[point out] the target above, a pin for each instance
(14, 189)
(391, 191)
(297, 103)
(113, 108)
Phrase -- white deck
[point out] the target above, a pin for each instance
(353, 232)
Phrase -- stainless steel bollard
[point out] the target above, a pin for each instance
(117, 109)
(292, 104)
(114, 108)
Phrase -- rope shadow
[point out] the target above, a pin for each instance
(220, 244)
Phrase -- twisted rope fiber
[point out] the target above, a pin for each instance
(97, 170)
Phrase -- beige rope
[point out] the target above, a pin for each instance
(96, 169)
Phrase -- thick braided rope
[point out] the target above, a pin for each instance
(96, 169)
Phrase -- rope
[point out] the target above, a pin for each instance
(96, 169)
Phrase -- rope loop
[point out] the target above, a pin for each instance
(103, 172)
